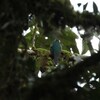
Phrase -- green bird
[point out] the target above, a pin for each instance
(55, 51)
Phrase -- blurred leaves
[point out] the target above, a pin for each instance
(67, 38)
(19, 69)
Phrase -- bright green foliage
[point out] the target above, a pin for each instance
(67, 38)
(42, 42)
(43, 59)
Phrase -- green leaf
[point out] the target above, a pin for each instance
(29, 38)
(74, 48)
(90, 47)
(84, 47)
(68, 39)
(84, 6)
(95, 8)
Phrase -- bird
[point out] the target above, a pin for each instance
(55, 51)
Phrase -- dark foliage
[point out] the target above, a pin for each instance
(61, 84)
(13, 67)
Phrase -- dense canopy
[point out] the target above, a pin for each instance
(17, 68)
